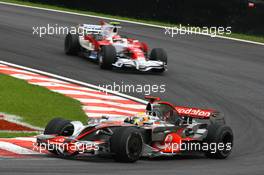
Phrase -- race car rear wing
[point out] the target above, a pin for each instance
(91, 29)
(184, 111)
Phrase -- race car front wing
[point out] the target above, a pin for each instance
(141, 65)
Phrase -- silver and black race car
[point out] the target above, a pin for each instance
(164, 130)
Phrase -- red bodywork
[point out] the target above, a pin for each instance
(135, 48)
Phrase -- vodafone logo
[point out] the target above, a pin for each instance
(193, 111)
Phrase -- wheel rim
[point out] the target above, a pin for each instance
(134, 146)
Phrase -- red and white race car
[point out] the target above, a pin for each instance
(163, 130)
(102, 43)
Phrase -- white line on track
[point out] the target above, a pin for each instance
(126, 21)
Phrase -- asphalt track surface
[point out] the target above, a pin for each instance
(203, 72)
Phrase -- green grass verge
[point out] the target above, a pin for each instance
(16, 134)
(249, 37)
(36, 105)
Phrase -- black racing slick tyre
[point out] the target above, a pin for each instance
(51, 126)
(71, 44)
(221, 138)
(107, 57)
(59, 126)
(159, 54)
(126, 143)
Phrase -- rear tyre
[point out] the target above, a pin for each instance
(158, 54)
(219, 134)
(126, 143)
(71, 44)
(107, 57)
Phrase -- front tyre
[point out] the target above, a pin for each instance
(59, 127)
(71, 44)
(159, 54)
(126, 143)
(107, 57)
(219, 134)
